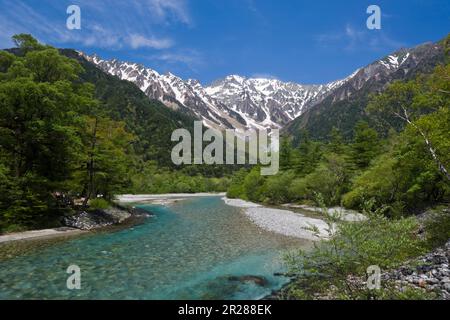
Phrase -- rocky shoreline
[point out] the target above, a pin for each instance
(430, 272)
(82, 222)
(97, 219)
(85, 220)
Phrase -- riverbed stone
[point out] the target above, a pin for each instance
(431, 274)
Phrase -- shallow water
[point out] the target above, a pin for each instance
(189, 250)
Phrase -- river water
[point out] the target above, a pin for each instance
(198, 248)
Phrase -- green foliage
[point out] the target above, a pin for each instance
(404, 179)
(413, 172)
(330, 176)
(6, 60)
(336, 144)
(25, 203)
(365, 145)
(334, 174)
(236, 189)
(99, 204)
(46, 140)
(26, 42)
(350, 250)
(411, 102)
(253, 185)
(152, 179)
(307, 155)
(437, 227)
(276, 188)
(39, 144)
(379, 183)
(49, 66)
(106, 144)
(436, 126)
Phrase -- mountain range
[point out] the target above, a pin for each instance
(232, 102)
(260, 103)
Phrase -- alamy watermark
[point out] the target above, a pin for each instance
(74, 280)
(374, 277)
(374, 20)
(241, 147)
(73, 22)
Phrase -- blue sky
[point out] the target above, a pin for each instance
(301, 41)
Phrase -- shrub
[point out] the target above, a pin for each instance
(253, 185)
(379, 183)
(354, 247)
(236, 189)
(277, 188)
(437, 227)
(330, 179)
(297, 189)
(99, 204)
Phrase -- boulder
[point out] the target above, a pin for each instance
(258, 280)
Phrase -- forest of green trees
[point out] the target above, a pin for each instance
(55, 139)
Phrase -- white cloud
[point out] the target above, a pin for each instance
(138, 41)
(264, 76)
(352, 39)
(153, 11)
(191, 58)
(166, 9)
(133, 24)
(176, 57)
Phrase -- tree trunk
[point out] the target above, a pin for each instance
(90, 165)
(440, 165)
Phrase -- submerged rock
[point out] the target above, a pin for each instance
(139, 212)
(258, 280)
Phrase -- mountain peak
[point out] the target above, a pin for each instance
(240, 102)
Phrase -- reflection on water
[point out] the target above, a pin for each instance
(195, 249)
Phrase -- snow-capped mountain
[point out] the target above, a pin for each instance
(242, 103)
(268, 102)
(233, 102)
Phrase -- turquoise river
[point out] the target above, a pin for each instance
(198, 248)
